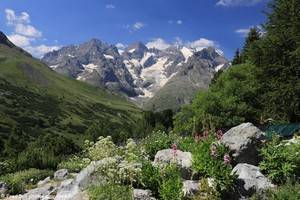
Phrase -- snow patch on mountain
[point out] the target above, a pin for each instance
(109, 57)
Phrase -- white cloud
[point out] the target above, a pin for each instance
(110, 6)
(158, 43)
(12, 18)
(138, 25)
(237, 2)
(19, 40)
(39, 51)
(27, 30)
(179, 22)
(24, 34)
(201, 44)
(243, 31)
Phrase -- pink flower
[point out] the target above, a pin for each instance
(219, 134)
(206, 133)
(174, 149)
(197, 137)
(227, 159)
(213, 151)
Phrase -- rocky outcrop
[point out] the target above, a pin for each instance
(244, 141)
(139, 194)
(250, 180)
(45, 192)
(182, 159)
(61, 174)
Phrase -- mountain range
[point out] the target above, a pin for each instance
(35, 101)
(155, 79)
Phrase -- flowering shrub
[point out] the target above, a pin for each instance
(210, 159)
(103, 148)
(120, 164)
(157, 141)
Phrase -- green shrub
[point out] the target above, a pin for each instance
(280, 162)
(74, 163)
(206, 192)
(150, 177)
(171, 183)
(111, 192)
(208, 160)
(19, 181)
(157, 141)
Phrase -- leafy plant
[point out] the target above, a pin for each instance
(171, 183)
(110, 191)
(280, 162)
(210, 159)
(207, 192)
(150, 177)
(19, 181)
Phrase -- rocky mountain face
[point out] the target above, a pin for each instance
(147, 76)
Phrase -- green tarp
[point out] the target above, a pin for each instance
(284, 130)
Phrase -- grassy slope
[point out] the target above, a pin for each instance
(37, 99)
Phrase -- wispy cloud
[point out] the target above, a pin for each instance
(243, 32)
(237, 2)
(198, 45)
(110, 6)
(134, 27)
(138, 25)
(24, 33)
(179, 22)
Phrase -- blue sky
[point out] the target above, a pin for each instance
(40, 25)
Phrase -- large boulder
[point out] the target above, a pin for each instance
(139, 194)
(250, 180)
(68, 190)
(61, 174)
(182, 159)
(244, 141)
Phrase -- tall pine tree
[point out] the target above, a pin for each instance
(252, 37)
(237, 58)
(277, 57)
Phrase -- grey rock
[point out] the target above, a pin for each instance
(3, 189)
(182, 159)
(61, 174)
(41, 193)
(244, 141)
(250, 180)
(68, 190)
(139, 194)
(190, 188)
(45, 181)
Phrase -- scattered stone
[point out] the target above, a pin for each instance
(43, 182)
(3, 189)
(244, 141)
(139, 194)
(190, 188)
(250, 180)
(182, 159)
(61, 174)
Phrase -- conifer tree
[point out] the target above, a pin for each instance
(237, 58)
(253, 36)
(277, 57)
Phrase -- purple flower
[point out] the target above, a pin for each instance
(219, 134)
(227, 159)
